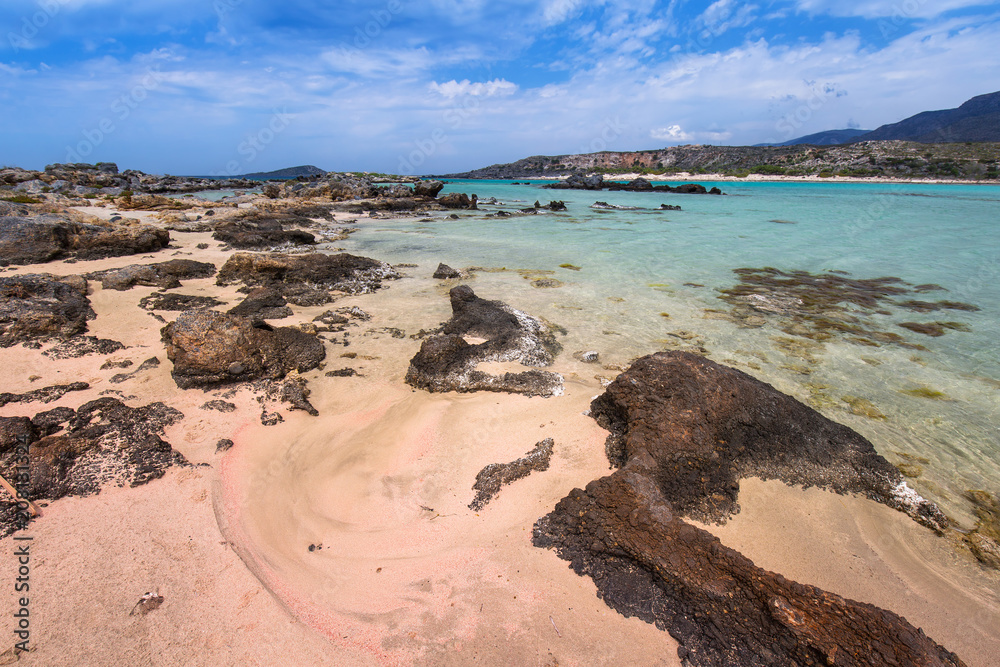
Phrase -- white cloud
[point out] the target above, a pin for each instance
(494, 88)
(672, 133)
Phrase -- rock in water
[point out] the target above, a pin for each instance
(448, 363)
(445, 272)
(210, 348)
(686, 430)
(427, 188)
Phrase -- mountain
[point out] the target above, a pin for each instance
(827, 138)
(976, 120)
(285, 174)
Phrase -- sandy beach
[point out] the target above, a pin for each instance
(347, 538)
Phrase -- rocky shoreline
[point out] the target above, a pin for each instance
(683, 431)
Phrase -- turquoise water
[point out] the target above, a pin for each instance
(634, 265)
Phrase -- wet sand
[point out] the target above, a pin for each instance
(401, 570)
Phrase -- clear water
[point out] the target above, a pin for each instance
(634, 266)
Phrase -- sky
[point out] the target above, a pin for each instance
(217, 87)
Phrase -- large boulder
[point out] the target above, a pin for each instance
(32, 239)
(427, 188)
(264, 230)
(447, 362)
(211, 348)
(36, 307)
(458, 200)
(685, 430)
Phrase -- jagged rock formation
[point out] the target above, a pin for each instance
(210, 348)
(307, 279)
(493, 477)
(37, 307)
(447, 362)
(265, 229)
(165, 275)
(77, 179)
(685, 431)
(31, 235)
(77, 452)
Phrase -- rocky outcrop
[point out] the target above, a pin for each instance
(37, 307)
(597, 182)
(265, 229)
(210, 348)
(263, 303)
(165, 275)
(427, 188)
(43, 395)
(171, 301)
(495, 476)
(445, 272)
(289, 274)
(36, 237)
(104, 442)
(685, 431)
(447, 362)
(458, 200)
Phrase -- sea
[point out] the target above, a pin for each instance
(634, 280)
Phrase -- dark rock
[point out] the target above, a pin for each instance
(52, 421)
(15, 430)
(427, 188)
(342, 373)
(37, 307)
(106, 443)
(224, 445)
(493, 477)
(43, 395)
(127, 363)
(210, 348)
(455, 200)
(719, 425)
(171, 301)
(221, 406)
(259, 229)
(686, 430)
(722, 609)
(264, 303)
(557, 205)
(448, 363)
(927, 328)
(444, 272)
(343, 272)
(152, 362)
(44, 237)
(295, 392)
(271, 191)
(81, 346)
(640, 185)
(669, 207)
(270, 418)
(165, 275)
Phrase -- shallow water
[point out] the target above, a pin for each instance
(629, 297)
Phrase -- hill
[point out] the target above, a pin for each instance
(826, 138)
(285, 174)
(890, 159)
(976, 120)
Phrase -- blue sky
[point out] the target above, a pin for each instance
(235, 86)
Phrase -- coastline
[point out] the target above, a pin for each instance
(760, 178)
(394, 582)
